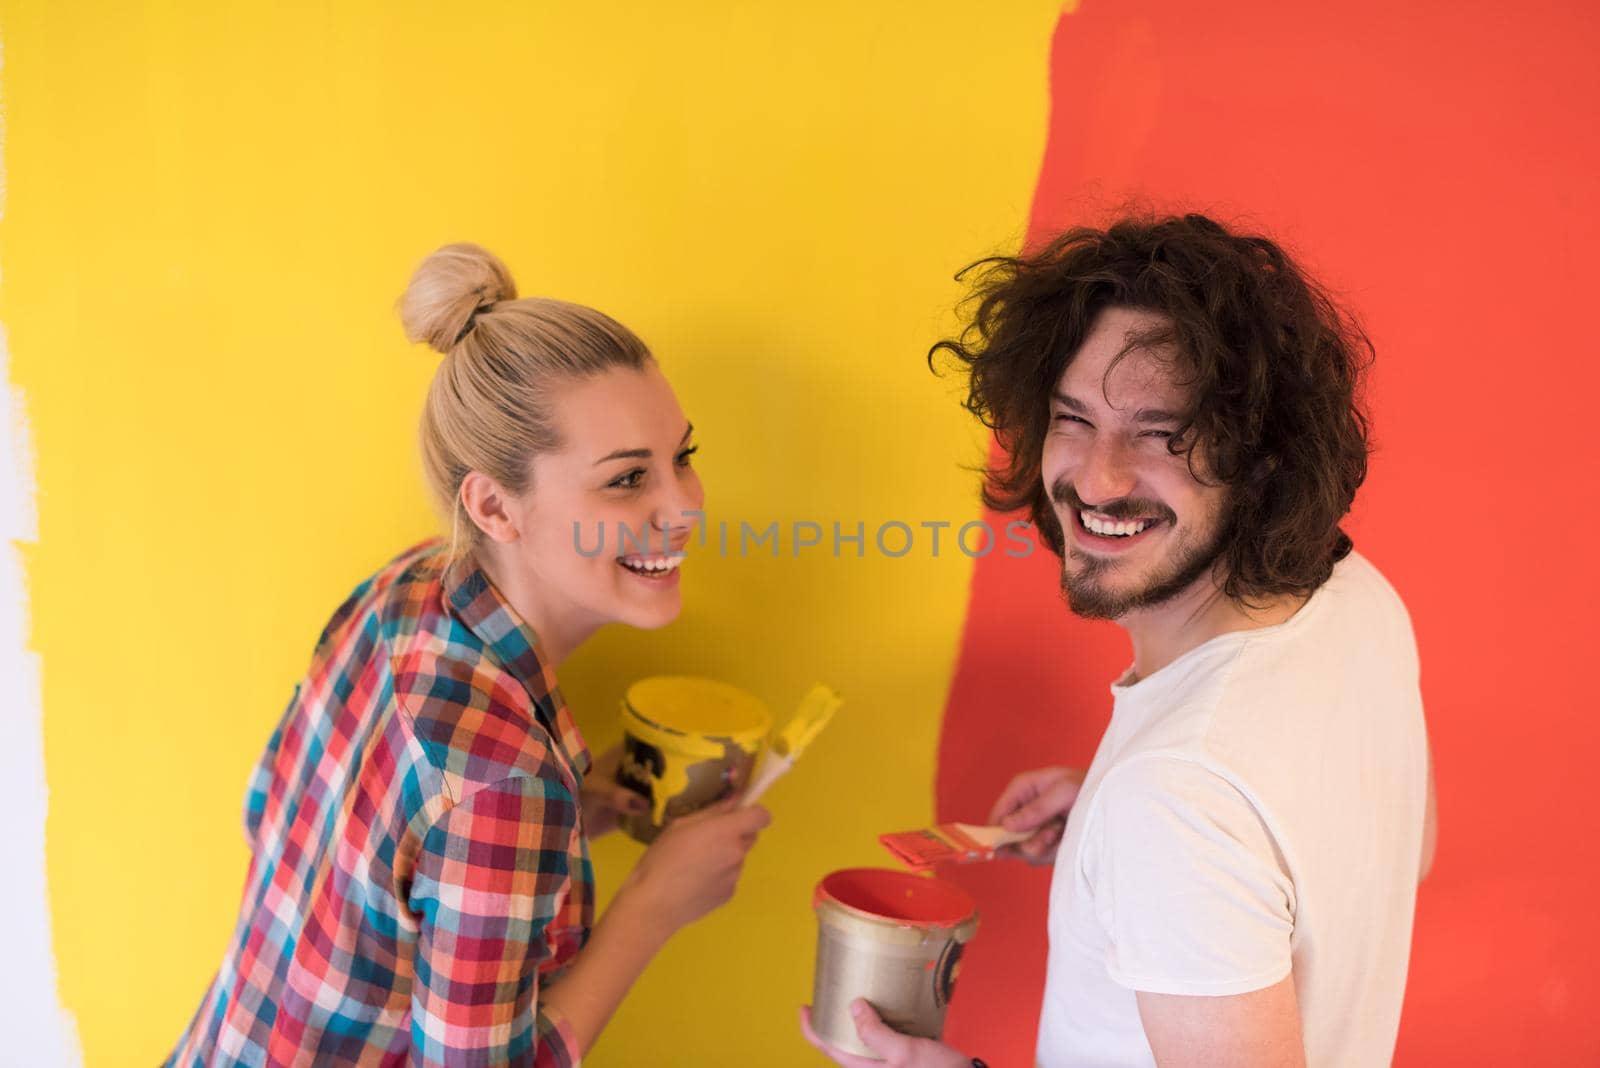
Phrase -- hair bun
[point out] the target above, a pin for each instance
(447, 289)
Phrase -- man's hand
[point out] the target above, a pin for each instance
(1037, 801)
(894, 1049)
(604, 800)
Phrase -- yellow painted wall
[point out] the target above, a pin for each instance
(210, 211)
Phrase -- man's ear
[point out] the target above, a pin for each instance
(489, 507)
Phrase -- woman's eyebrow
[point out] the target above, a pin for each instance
(625, 454)
(640, 454)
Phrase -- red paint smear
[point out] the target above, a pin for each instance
(1438, 168)
(913, 900)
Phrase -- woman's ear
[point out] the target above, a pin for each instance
(489, 507)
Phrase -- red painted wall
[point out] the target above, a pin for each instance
(1438, 167)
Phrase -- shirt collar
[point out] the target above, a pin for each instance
(473, 599)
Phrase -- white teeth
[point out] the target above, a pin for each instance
(1116, 529)
(650, 565)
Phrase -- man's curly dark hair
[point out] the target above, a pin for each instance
(1274, 366)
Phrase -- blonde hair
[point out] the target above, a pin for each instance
(488, 408)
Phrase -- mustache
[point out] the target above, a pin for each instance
(1063, 495)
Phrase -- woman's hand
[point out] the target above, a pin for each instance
(604, 800)
(894, 1049)
(1037, 801)
(694, 865)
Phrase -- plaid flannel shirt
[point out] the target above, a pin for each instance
(418, 867)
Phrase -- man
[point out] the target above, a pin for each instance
(1235, 873)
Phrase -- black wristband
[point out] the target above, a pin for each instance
(977, 1063)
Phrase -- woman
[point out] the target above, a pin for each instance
(420, 873)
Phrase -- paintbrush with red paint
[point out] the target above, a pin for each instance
(948, 843)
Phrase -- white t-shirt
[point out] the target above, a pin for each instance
(1255, 807)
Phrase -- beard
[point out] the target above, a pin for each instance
(1087, 587)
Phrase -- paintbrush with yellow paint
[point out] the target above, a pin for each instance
(816, 709)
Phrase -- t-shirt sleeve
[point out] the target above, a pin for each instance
(492, 874)
(1188, 883)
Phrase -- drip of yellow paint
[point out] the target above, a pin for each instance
(691, 720)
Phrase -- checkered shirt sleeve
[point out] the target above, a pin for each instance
(490, 878)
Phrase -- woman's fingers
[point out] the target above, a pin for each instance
(615, 795)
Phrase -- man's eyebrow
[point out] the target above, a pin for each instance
(1071, 402)
(640, 454)
(1143, 415)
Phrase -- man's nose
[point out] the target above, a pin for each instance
(1106, 472)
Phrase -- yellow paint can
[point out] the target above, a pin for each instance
(687, 743)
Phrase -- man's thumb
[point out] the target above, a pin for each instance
(1031, 816)
(1052, 803)
(874, 1033)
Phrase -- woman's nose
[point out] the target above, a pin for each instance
(678, 508)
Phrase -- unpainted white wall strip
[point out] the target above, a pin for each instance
(36, 1030)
